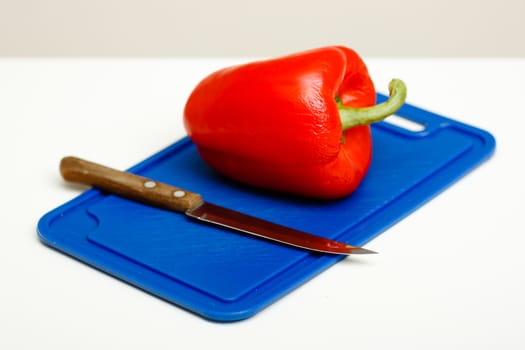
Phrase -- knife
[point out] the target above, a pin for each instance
(172, 198)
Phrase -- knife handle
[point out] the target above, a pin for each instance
(128, 185)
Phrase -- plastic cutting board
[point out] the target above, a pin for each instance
(227, 276)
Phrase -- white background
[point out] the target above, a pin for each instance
(261, 28)
(448, 276)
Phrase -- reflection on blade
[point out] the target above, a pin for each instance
(229, 218)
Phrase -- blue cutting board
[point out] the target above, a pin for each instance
(227, 276)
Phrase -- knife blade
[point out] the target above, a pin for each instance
(155, 193)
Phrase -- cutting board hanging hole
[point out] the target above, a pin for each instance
(405, 123)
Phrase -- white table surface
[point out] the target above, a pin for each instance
(451, 275)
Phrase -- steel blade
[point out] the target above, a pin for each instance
(251, 225)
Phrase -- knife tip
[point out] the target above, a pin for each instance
(359, 250)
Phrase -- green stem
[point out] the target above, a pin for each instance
(351, 117)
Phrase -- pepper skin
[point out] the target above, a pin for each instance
(296, 124)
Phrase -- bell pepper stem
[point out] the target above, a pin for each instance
(351, 117)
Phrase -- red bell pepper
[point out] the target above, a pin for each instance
(295, 124)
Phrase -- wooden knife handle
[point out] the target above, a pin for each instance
(128, 185)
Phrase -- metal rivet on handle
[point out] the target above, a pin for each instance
(179, 194)
(150, 184)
